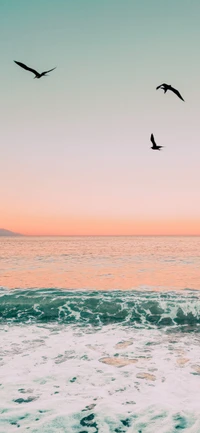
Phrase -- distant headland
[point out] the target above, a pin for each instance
(4, 232)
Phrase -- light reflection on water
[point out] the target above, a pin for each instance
(102, 263)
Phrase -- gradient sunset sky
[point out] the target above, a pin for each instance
(75, 149)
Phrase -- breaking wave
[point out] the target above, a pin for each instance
(147, 309)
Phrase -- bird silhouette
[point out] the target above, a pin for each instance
(37, 74)
(166, 87)
(154, 147)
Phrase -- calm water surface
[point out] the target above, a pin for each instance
(102, 263)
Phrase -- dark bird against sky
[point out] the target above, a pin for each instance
(166, 87)
(154, 147)
(37, 74)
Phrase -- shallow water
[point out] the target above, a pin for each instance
(107, 360)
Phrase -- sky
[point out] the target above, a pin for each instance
(75, 146)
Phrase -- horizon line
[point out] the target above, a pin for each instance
(102, 235)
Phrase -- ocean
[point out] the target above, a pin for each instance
(100, 334)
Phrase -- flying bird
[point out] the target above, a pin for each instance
(154, 147)
(166, 87)
(37, 74)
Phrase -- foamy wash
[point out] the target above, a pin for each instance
(99, 361)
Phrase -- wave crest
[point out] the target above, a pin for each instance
(148, 309)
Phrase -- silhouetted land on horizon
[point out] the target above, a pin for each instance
(4, 232)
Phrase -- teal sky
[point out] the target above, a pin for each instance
(75, 145)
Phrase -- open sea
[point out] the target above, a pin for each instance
(100, 334)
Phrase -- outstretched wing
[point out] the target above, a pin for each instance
(26, 67)
(177, 93)
(46, 72)
(161, 85)
(152, 140)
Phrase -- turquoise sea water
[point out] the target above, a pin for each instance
(88, 360)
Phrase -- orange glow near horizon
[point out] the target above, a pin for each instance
(70, 226)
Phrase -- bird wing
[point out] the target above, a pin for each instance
(46, 72)
(160, 86)
(152, 140)
(177, 93)
(26, 67)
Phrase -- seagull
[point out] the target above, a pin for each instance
(37, 74)
(166, 87)
(154, 147)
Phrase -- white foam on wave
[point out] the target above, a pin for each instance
(49, 374)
